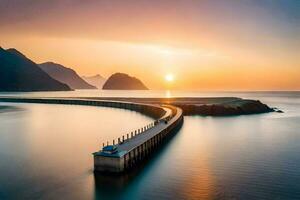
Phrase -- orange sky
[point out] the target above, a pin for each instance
(207, 45)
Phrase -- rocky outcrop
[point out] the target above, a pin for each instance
(240, 107)
(120, 81)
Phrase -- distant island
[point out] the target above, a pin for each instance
(20, 74)
(97, 80)
(65, 75)
(121, 81)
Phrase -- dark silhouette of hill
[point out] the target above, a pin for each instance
(97, 80)
(121, 81)
(18, 73)
(65, 75)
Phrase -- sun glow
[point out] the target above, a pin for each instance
(169, 77)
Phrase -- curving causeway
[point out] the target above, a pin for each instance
(127, 151)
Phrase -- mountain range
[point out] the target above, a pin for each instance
(96, 80)
(19, 73)
(65, 75)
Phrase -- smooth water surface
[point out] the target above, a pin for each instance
(46, 150)
(45, 154)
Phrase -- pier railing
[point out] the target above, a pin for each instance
(126, 137)
(132, 134)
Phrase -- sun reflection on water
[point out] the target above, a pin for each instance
(168, 94)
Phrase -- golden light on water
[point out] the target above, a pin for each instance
(168, 94)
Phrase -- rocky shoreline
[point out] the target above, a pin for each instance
(244, 107)
(212, 106)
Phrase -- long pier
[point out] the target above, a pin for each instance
(127, 151)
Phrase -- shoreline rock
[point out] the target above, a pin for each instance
(246, 108)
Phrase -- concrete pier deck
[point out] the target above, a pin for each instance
(129, 153)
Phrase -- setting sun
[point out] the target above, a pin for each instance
(169, 77)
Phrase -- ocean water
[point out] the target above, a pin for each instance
(45, 151)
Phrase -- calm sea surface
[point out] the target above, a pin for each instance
(45, 151)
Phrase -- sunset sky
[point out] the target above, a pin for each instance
(205, 44)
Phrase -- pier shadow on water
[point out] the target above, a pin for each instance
(117, 186)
